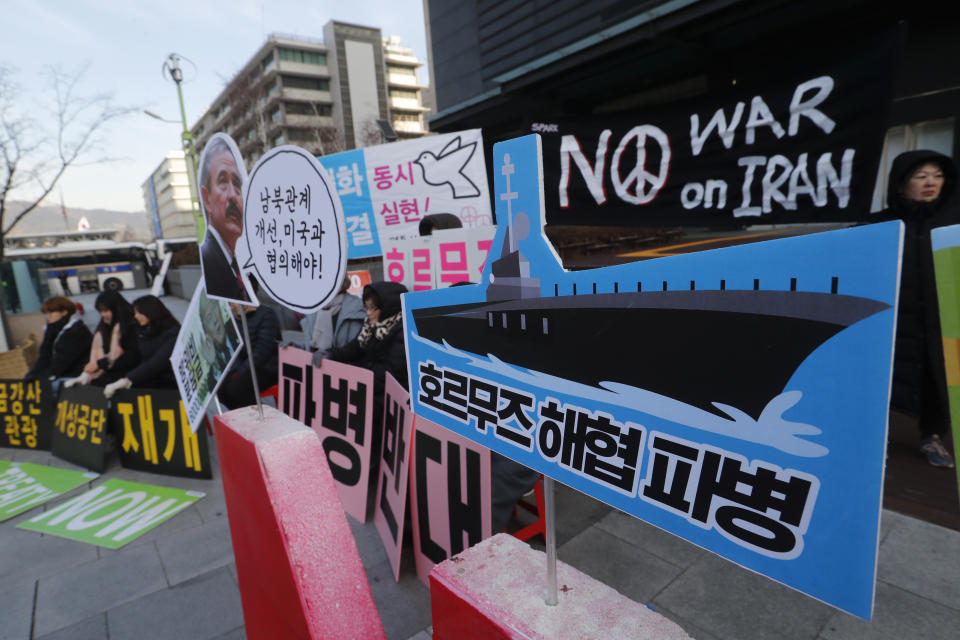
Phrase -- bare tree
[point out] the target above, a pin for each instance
(35, 154)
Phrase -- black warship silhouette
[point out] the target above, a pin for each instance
(698, 346)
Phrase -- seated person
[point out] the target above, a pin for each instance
(157, 336)
(66, 342)
(336, 324)
(115, 347)
(236, 390)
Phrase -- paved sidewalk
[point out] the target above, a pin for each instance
(178, 581)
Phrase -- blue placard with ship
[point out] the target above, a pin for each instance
(736, 397)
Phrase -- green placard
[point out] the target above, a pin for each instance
(113, 513)
(946, 263)
(24, 485)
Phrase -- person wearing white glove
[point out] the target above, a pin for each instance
(83, 378)
(113, 387)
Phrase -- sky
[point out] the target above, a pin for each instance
(123, 45)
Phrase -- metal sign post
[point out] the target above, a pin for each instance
(253, 370)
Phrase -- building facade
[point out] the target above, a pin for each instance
(323, 95)
(503, 65)
(407, 98)
(166, 196)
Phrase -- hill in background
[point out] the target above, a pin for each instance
(48, 217)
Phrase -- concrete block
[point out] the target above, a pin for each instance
(492, 590)
(206, 607)
(299, 571)
(191, 552)
(93, 628)
(625, 567)
(16, 608)
(922, 558)
(898, 614)
(73, 595)
(733, 603)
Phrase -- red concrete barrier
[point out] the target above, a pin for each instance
(495, 590)
(297, 564)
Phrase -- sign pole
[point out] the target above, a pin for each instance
(253, 370)
(550, 535)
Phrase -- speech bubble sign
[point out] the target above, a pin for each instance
(294, 240)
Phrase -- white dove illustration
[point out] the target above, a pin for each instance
(447, 168)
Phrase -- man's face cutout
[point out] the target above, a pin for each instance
(223, 197)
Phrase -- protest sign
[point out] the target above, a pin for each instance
(206, 346)
(946, 263)
(222, 177)
(390, 512)
(27, 411)
(80, 427)
(387, 189)
(24, 485)
(358, 280)
(798, 145)
(294, 238)
(737, 398)
(450, 501)
(113, 513)
(444, 258)
(156, 434)
(336, 400)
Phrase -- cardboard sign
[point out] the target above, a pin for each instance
(206, 346)
(336, 400)
(387, 189)
(26, 413)
(737, 398)
(799, 145)
(222, 179)
(946, 263)
(445, 258)
(294, 238)
(156, 434)
(24, 485)
(113, 513)
(450, 502)
(390, 513)
(80, 426)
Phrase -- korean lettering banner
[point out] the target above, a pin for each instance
(24, 485)
(112, 514)
(390, 513)
(736, 398)
(450, 503)
(80, 426)
(206, 346)
(156, 434)
(336, 400)
(387, 189)
(27, 411)
(946, 263)
(442, 259)
(798, 145)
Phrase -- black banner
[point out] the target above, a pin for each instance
(797, 139)
(154, 434)
(80, 427)
(26, 412)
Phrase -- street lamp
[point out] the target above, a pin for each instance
(171, 67)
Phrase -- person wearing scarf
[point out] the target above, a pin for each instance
(66, 342)
(115, 349)
(157, 337)
(920, 187)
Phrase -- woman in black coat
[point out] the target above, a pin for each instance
(157, 336)
(66, 342)
(920, 187)
(115, 347)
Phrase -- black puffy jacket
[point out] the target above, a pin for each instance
(919, 349)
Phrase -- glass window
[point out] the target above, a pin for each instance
(305, 57)
(299, 82)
